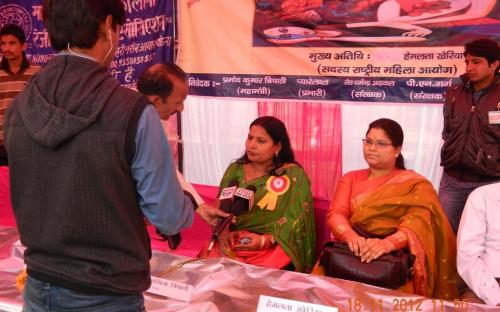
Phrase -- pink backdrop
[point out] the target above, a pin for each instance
(315, 131)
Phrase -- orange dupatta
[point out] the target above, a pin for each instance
(409, 203)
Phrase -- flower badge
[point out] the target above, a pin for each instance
(275, 187)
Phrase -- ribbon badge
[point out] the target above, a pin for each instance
(275, 187)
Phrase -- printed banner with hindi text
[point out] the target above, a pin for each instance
(146, 38)
(406, 51)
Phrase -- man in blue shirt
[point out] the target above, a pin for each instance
(165, 86)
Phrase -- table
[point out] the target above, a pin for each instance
(221, 284)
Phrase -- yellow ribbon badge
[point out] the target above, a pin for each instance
(275, 187)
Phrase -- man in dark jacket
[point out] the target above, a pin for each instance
(88, 160)
(470, 154)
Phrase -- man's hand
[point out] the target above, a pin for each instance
(210, 214)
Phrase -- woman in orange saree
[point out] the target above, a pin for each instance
(388, 200)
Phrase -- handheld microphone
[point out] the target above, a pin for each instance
(243, 201)
(225, 202)
(226, 196)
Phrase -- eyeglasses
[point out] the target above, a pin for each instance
(378, 144)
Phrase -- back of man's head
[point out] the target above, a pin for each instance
(157, 79)
(76, 22)
(14, 30)
(486, 48)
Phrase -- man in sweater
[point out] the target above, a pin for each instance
(15, 71)
(88, 160)
(471, 151)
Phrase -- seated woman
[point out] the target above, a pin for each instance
(279, 228)
(388, 200)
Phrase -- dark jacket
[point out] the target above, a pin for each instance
(471, 148)
(70, 138)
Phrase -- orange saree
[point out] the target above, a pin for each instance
(405, 202)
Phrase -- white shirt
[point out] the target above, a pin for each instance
(478, 258)
(173, 141)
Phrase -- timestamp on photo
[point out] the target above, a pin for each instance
(404, 305)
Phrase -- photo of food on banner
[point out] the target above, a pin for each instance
(373, 22)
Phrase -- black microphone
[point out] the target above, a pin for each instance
(225, 203)
(226, 196)
(243, 201)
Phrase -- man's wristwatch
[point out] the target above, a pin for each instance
(193, 201)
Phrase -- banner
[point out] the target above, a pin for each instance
(145, 39)
(406, 51)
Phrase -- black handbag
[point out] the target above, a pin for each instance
(389, 271)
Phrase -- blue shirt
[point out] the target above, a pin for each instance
(161, 197)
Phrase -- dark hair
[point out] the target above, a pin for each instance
(277, 131)
(18, 32)
(395, 133)
(157, 79)
(486, 48)
(14, 30)
(77, 22)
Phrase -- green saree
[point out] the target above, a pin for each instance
(291, 222)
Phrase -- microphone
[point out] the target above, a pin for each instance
(225, 202)
(243, 201)
(226, 196)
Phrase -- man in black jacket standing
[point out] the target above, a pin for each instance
(470, 154)
(88, 161)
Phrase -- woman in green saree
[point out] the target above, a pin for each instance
(278, 231)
